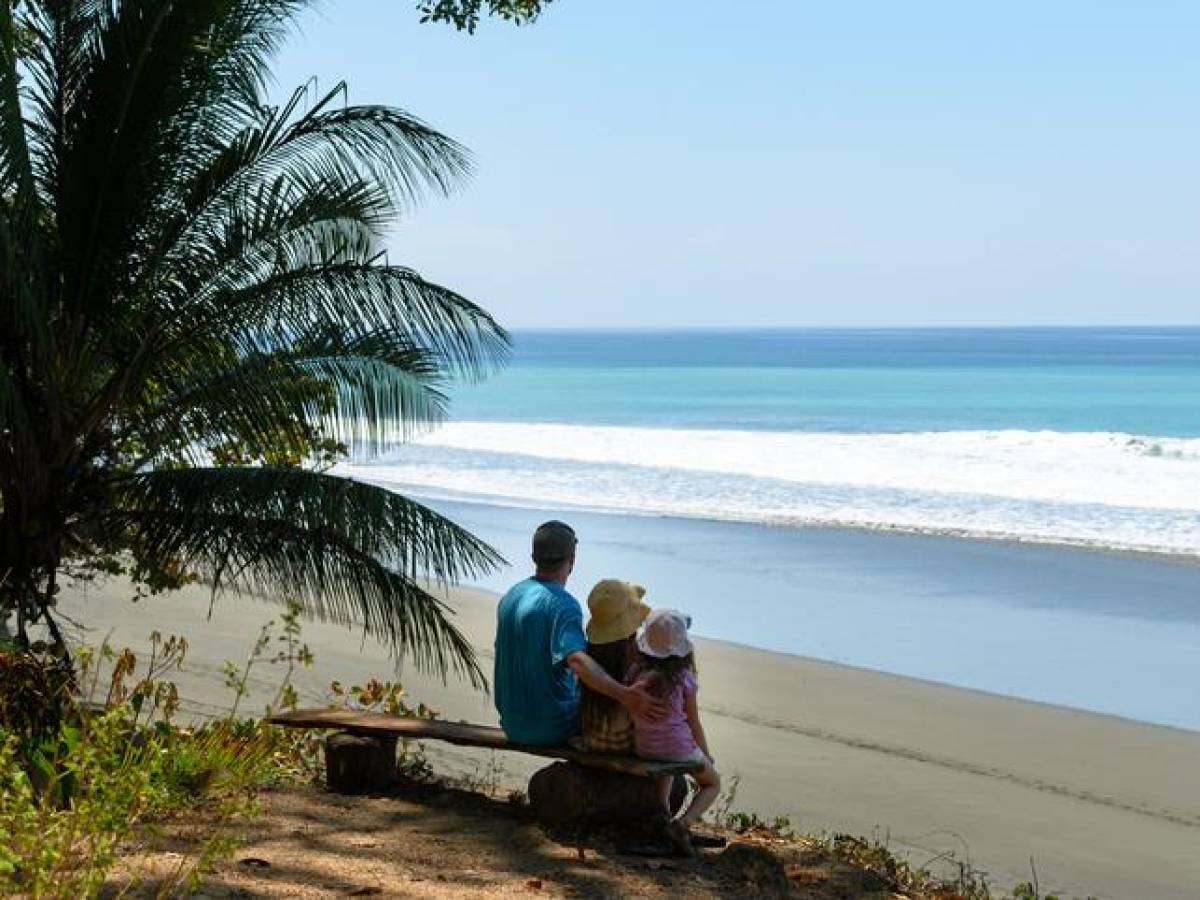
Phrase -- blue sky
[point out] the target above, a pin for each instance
(758, 163)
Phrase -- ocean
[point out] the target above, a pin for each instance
(1076, 449)
(1078, 436)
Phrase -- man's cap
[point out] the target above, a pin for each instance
(553, 543)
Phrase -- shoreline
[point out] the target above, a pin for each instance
(1106, 806)
(1108, 633)
(783, 655)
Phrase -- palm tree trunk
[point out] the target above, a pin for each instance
(29, 545)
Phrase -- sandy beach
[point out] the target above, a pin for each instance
(1104, 806)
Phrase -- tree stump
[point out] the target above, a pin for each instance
(566, 795)
(357, 764)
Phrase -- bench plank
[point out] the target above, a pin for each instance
(467, 735)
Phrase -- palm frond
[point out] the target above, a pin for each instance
(282, 223)
(397, 155)
(160, 79)
(24, 311)
(358, 300)
(59, 38)
(372, 393)
(352, 553)
(16, 172)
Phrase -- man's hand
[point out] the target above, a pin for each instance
(635, 698)
(644, 705)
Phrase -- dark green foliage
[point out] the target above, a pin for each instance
(464, 14)
(36, 693)
(196, 318)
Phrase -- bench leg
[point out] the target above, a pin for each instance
(570, 795)
(357, 764)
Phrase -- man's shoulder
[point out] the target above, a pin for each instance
(517, 590)
(529, 588)
(564, 601)
(533, 590)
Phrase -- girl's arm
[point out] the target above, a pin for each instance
(693, 717)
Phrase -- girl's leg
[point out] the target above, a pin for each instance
(663, 784)
(710, 787)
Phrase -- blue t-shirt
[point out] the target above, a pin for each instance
(538, 625)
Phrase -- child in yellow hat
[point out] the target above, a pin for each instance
(617, 610)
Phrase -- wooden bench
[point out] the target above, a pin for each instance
(584, 787)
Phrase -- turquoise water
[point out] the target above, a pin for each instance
(1138, 381)
(1086, 437)
(1155, 401)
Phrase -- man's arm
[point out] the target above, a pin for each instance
(635, 698)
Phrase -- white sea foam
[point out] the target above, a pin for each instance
(1108, 489)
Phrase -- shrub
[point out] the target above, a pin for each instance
(82, 780)
(91, 764)
(37, 692)
(59, 831)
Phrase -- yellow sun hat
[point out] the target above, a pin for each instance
(617, 610)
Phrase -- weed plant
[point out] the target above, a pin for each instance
(89, 765)
(956, 878)
(93, 760)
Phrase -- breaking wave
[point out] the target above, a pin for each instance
(1102, 489)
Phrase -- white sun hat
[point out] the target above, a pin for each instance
(665, 634)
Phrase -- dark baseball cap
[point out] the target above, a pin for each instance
(553, 543)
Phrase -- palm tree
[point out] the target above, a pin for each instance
(194, 307)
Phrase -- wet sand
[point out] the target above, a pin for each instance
(1111, 633)
(1106, 807)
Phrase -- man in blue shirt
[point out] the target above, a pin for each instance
(541, 651)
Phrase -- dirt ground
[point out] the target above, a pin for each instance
(309, 843)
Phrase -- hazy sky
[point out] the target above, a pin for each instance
(746, 162)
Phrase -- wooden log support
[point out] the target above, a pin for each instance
(568, 795)
(360, 764)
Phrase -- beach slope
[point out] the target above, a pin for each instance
(1105, 807)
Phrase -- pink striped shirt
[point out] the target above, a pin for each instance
(671, 737)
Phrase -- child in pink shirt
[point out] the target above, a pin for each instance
(667, 669)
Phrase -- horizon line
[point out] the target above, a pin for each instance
(1192, 326)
